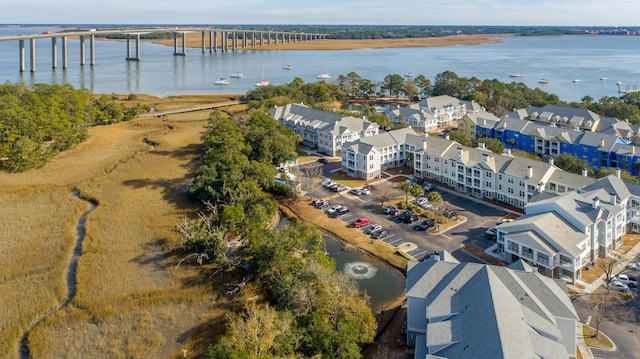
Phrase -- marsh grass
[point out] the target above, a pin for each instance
(131, 300)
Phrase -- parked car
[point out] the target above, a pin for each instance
(321, 204)
(361, 222)
(617, 285)
(333, 208)
(404, 215)
(625, 279)
(323, 160)
(380, 234)
(355, 191)
(390, 209)
(424, 225)
(365, 191)
(450, 213)
(490, 234)
(505, 220)
(422, 200)
(634, 266)
(339, 212)
(411, 219)
(429, 187)
(333, 186)
(327, 182)
(373, 228)
(340, 188)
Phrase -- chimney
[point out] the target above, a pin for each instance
(484, 122)
(618, 172)
(424, 145)
(485, 157)
(480, 144)
(584, 172)
(612, 198)
(504, 125)
(595, 203)
(460, 151)
(507, 151)
(529, 172)
(551, 161)
(633, 150)
(602, 142)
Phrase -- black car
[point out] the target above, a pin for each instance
(323, 160)
(424, 225)
(429, 187)
(404, 215)
(411, 219)
(450, 214)
(380, 234)
(390, 209)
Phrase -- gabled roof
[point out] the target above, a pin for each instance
(547, 232)
(484, 311)
(390, 138)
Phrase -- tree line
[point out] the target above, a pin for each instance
(37, 123)
(308, 308)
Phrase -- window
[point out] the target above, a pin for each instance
(527, 252)
(543, 259)
(513, 247)
(510, 180)
(370, 157)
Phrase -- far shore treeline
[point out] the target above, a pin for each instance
(37, 123)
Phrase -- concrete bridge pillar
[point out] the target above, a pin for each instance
(215, 41)
(81, 50)
(65, 62)
(253, 39)
(268, 38)
(244, 39)
(204, 36)
(175, 44)
(262, 39)
(137, 57)
(210, 41)
(234, 41)
(54, 52)
(21, 54)
(289, 39)
(32, 47)
(225, 41)
(92, 49)
(184, 44)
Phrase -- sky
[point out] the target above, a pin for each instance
(326, 12)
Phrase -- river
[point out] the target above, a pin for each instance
(560, 60)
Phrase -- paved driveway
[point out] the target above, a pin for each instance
(479, 216)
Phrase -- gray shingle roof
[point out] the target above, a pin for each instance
(488, 311)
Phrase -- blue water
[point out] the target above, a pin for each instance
(558, 59)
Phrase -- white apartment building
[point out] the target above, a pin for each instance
(321, 130)
(433, 112)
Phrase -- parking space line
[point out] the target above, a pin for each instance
(417, 255)
(399, 239)
(445, 236)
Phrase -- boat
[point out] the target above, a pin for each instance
(543, 81)
(262, 81)
(576, 80)
(221, 81)
(324, 76)
(603, 79)
(237, 75)
(619, 83)
(409, 75)
(287, 67)
(515, 75)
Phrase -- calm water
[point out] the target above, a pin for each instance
(557, 59)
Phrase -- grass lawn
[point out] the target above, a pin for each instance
(601, 341)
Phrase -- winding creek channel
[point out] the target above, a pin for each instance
(71, 276)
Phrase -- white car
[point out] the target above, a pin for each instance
(328, 183)
(334, 208)
(618, 285)
(625, 279)
(373, 228)
(634, 266)
(421, 201)
(364, 191)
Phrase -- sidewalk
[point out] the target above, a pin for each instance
(582, 346)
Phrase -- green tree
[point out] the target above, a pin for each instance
(416, 191)
(406, 187)
(393, 84)
(424, 85)
(493, 144)
(435, 198)
(460, 137)
(570, 163)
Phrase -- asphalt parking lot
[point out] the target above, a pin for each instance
(480, 217)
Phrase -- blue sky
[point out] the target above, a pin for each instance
(355, 12)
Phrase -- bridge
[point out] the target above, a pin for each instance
(212, 39)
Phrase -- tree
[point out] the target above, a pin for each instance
(416, 191)
(406, 187)
(570, 163)
(460, 137)
(410, 89)
(393, 84)
(202, 239)
(384, 191)
(435, 198)
(608, 264)
(607, 307)
(493, 144)
(424, 85)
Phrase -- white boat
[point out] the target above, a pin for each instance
(221, 81)
(237, 75)
(603, 79)
(515, 75)
(324, 76)
(543, 81)
(576, 80)
(287, 67)
(409, 75)
(619, 83)
(262, 81)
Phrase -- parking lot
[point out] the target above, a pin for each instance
(479, 217)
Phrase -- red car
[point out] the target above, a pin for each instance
(361, 222)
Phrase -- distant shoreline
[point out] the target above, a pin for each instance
(194, 40)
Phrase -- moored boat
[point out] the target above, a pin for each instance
(543, 81)
(515, 75)
(324, 76)
(237, 75)
(221, 81)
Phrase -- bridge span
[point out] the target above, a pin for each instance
(213, 39)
